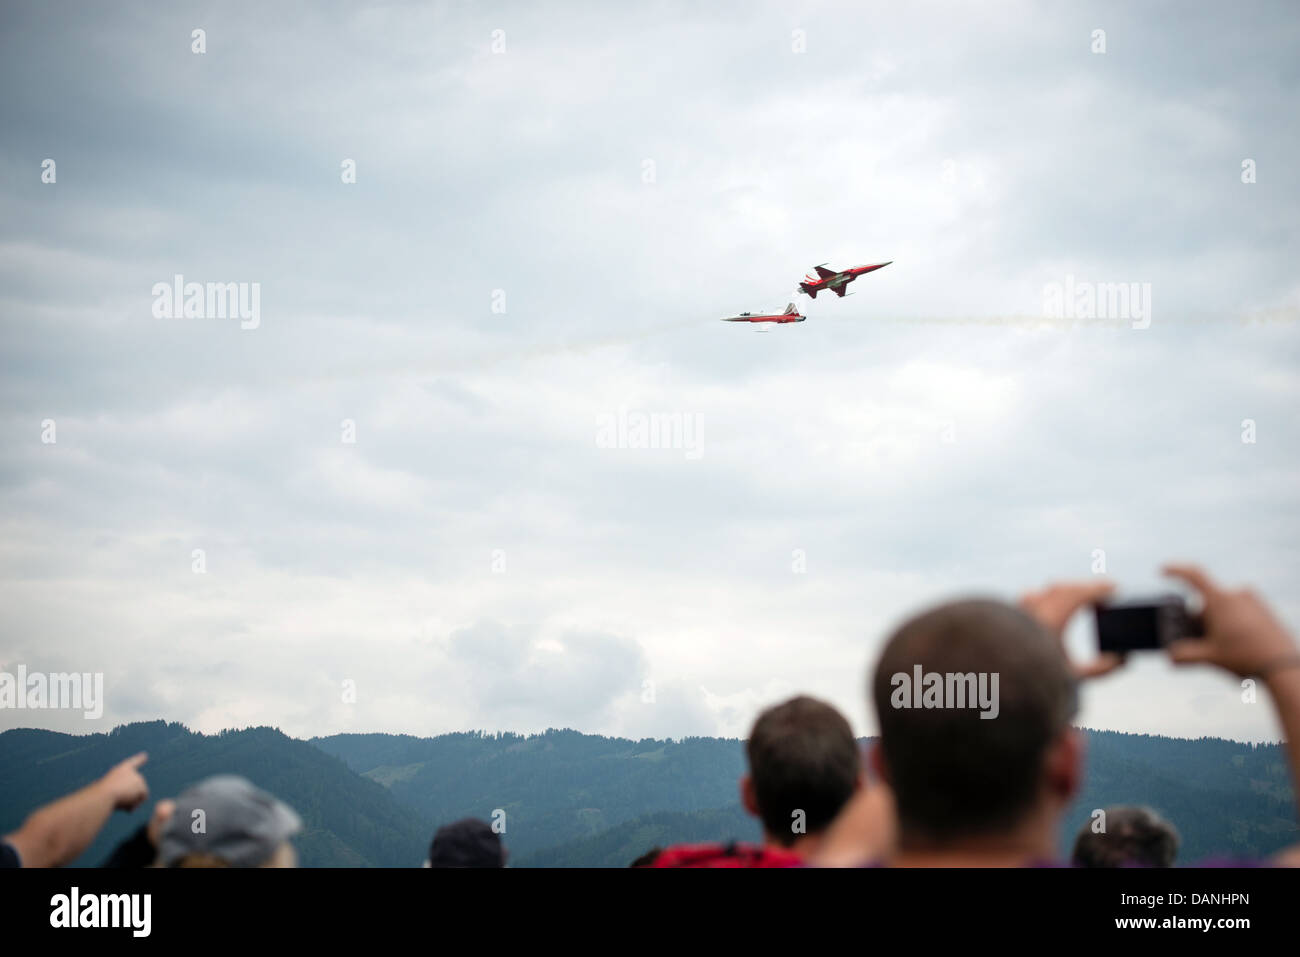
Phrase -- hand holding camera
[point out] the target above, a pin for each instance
(1241, 634)
(1233, 629)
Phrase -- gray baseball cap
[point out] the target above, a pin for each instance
(239, 824)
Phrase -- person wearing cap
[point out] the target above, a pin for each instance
(466, 843)
(224, 821)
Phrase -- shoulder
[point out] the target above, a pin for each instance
(734, 854)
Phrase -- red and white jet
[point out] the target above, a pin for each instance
(835, 281)
(791, 314)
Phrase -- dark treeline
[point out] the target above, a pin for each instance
(573, 799)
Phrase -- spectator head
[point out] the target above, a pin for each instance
(974, 701)
(224, 821)
(1131, 837)
(804, 765)
(467, 843)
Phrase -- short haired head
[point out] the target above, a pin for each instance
(802, 757)
(468, 842)
(956, 774)
(1133, 837)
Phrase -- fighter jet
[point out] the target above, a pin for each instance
(791, 314)
(835, 281)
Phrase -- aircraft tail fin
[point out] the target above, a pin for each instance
(790, 310)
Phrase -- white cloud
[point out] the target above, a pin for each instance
(984, 161)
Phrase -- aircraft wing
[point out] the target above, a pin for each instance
(824, 272)
(839, 290)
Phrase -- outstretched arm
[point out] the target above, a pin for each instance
(57, 833)
(1243, 636)
(1284, 686)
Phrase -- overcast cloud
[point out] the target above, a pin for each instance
(618, 179)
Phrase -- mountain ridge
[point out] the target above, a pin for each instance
(567, 798)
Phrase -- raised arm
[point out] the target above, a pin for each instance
(1244, 637)
(57, 833)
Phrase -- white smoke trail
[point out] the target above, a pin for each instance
(449, 365)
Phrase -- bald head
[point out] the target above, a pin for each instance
(969, 697)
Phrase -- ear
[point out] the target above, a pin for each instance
(747, 798)
(876, 758)
(1063, 770)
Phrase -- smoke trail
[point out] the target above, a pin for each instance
(448, 365)
(1279, 316)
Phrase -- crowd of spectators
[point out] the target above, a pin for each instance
(946, 784)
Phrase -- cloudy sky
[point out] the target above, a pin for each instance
(553, 205)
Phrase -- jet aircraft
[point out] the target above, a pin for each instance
(791, 314)
(834, 281)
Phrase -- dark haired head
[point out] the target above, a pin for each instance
(1131, 837)
(802, 758)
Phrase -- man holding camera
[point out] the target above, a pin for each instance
(985, 793)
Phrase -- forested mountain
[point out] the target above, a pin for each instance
(348, 820)
(553, 787)
(1225, 797)
(572, 799)
(620, 845)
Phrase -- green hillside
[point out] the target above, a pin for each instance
(1225, 797)
(620, 845)
(553, 787)
(348, 820)
(574, 799)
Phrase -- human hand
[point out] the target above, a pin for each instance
(1056, 604)
(1241, 633)
(124, 783)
